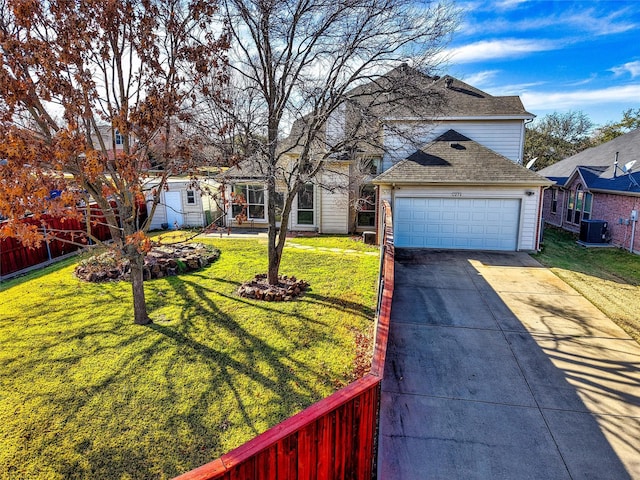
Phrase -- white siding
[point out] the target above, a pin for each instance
(502, 136)
(192, 214)
(334, 200)
(159, 217)
(530, 221)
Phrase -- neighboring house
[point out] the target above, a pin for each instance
(110, 137)
(599, 183)
(451, 171)
(184, 204)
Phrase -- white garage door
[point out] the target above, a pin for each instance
(458, 223)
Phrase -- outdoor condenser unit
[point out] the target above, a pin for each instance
(594, 231)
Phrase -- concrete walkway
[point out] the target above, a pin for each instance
(496, 369)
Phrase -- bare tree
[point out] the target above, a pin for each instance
(317, 67)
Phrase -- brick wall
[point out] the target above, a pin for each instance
(558, 217)
(612, 208)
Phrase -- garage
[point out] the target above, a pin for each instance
(457, 223)
(454, 193)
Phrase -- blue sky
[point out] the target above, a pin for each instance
(556, 55)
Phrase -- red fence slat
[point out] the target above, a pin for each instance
(14, 256)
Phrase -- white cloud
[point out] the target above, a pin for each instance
(515, 89)
(481, 78)
(569, 21)
(498, 49)
(578, 99)
(585, 81)
(614, 22)
(633, 68)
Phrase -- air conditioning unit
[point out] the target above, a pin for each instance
(594, 231)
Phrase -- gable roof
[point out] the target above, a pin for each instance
(596, 166)
(405, 92)
(246, 170)
(454, 159)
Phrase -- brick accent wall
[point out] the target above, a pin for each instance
(608, 207)
(611, 208)
(556, 218)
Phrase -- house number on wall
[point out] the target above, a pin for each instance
(456, 194)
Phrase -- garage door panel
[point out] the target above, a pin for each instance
(462, 223)
(463, 216)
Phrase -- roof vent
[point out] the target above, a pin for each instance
(448, 82)
(456, 145)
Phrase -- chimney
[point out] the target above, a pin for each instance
(615, 167)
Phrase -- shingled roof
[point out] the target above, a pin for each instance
(454, 159)
(596, 165)
(405, 92)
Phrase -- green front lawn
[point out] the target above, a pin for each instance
(608, 277)
(84, 393)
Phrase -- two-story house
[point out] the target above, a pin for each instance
(451, 170)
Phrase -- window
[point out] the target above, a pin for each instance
(554, 200)
(370, 166)
(366, 208)
(119, 138)
(579, 205)
(248, 200)
(191, 197)
(305, 205)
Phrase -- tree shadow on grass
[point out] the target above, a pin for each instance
(186, 436)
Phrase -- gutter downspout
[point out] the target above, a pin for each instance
(522, 134)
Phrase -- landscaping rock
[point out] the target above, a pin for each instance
(286, 290)
(161, 261)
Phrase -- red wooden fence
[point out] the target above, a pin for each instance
(331, 440)
(14, 256)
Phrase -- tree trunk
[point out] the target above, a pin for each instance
(140, 315)
(277, 237)
(274, 262)
(274, 255)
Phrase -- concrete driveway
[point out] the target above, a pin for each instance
(497, 369)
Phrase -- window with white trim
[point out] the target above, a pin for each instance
(554, 200)
(191, 197)
(119, 138)
(248, 200)
(366, 208)
(305, 204)
(579, 205)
